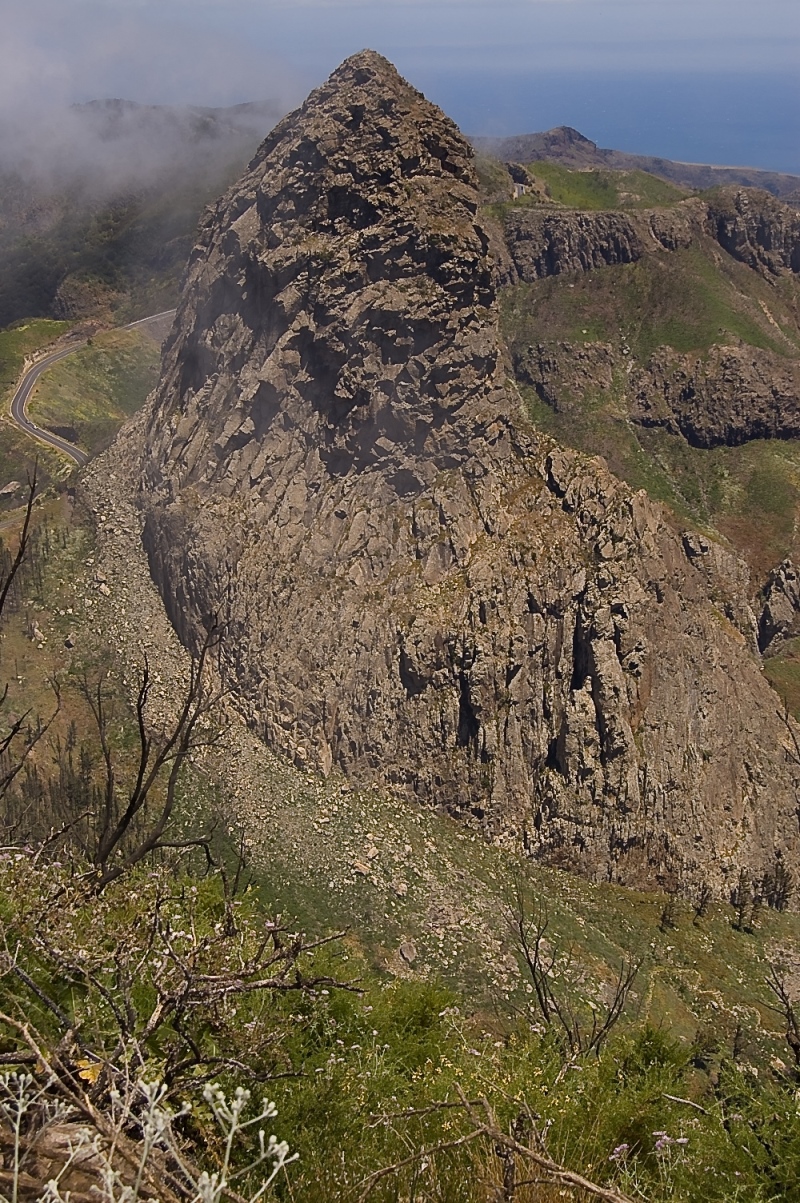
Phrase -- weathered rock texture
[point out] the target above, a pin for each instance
(550, 242)
(780, 616)
(750, 225)
(724, 396)
(756, 228)
(563, 374)
(727, 396)
(416, 586)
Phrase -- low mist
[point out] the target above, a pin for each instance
(104, 148)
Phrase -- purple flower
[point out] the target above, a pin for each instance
(619, 1152)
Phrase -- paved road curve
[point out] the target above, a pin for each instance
(21, 397)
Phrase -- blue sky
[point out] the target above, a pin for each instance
(707, 79)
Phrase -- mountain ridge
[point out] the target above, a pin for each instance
(566, 145)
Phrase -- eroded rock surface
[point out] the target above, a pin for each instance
(757, 229)
(726, 396)
(415, 584)
(752, 226)
(550, 242)
(780, 617)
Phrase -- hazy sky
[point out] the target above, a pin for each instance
(692, 78)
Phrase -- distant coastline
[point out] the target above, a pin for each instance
(720, 119)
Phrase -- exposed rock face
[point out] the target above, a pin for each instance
(549, 242)
(727, 396)
(750, 225)
(563, 373)
(756, 229)
(416, 586)
(780, 617)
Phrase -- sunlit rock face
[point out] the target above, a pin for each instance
(416, 586)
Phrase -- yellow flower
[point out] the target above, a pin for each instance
(89, 1070)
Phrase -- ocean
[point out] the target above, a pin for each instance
(750, 120)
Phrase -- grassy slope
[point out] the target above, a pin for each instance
(337, 857)
(430, 881)
(87, 396)
(460, 1012)
(604, 189)
(18, 453)
(20, 340)
(689, 300)
(394, 874)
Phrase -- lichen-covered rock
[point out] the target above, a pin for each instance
(415, 585)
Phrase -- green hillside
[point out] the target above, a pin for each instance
(436, 1017)
(87, 396)
(426, 997)
(595, 190)
(691, 301)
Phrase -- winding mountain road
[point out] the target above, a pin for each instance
(23, 393)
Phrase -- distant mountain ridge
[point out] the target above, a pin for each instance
(115, 119)
(568, 146)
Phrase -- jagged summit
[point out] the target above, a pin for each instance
(363, 99)
(358, 214)
(416, 585)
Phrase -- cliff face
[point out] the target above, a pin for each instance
(728, 396)
(416, 586)
(750, 225)
(722, 397)
(549, 242)
(756, 229)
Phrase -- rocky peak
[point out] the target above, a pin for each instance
(416, 586)
(756, 228)
(354, 268)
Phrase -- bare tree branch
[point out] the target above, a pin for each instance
(24, 539)
(485, 1125)
(557, 1012)
(786, 1007)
